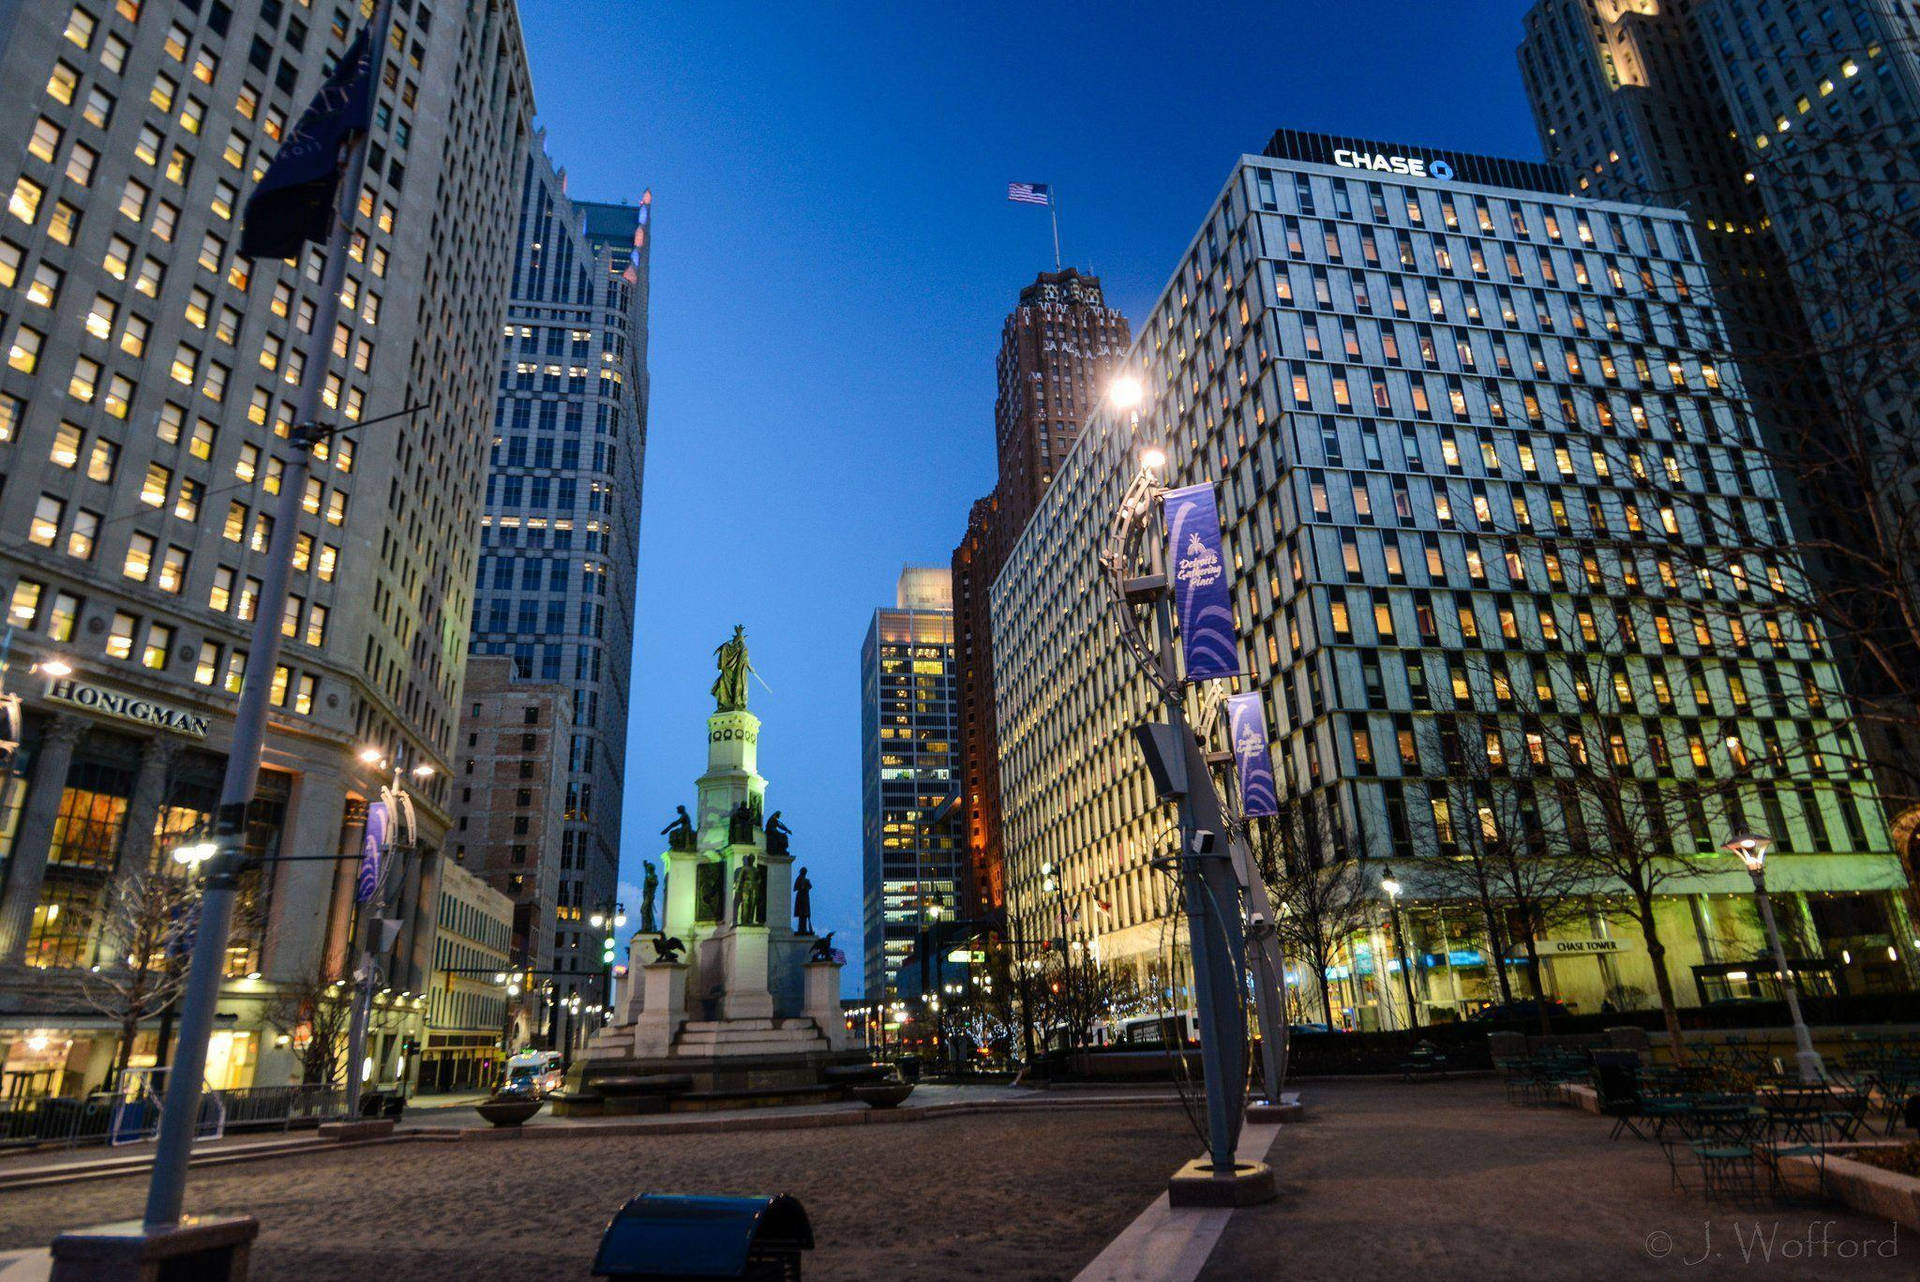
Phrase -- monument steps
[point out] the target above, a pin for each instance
(749, 1037)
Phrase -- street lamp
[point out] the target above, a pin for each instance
(1210, 888)
(1391, 884)
(1752, 848)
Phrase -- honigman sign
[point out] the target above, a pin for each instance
(128, 707)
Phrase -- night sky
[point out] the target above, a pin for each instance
(833, 258)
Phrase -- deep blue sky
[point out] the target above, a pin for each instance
(834, 254)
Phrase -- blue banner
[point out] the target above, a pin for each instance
(1200, 596)
(373, 848)
(1252, 755)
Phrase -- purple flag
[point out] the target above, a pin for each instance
(373, 848)
(1200, 583)
(1253, 755)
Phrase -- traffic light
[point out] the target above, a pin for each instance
(606, 950)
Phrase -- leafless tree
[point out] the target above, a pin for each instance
(1319, 892)
(1496, 854)
(1072, 992)
(146, 922)
(314, 1011)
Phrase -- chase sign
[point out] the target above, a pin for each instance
(1380, 162)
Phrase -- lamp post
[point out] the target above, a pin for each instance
(609, 921)
(1391, 884)
(1752, 848)
(180, 1114)
(1210, 889)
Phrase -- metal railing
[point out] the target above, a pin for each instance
(115, 1116)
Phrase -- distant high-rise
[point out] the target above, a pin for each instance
(1056, 349)
(1790, 135)
(913, 866)
(146, 402)
(559, 546)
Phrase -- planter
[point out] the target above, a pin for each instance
(507, 1112)
(1869, 1189)
(881, 1094)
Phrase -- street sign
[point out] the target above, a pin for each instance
(1577, 947)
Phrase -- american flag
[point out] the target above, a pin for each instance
(1030, 193)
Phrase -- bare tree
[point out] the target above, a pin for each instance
(1072, 992)
(1495, 851)
(147, 919)
(1319, 894)
(314, 1012)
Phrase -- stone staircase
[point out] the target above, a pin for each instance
(700, 1039)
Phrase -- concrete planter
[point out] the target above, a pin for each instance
(881, 1094)
(507, 1112)
(1881, 1194)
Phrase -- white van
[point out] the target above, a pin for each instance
(537, 1072)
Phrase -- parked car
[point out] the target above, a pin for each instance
(1308, 1030)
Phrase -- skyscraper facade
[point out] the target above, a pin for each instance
(1787, 131)
(1056, 349)
(913, 866)
(559, 550)
(1424, 384)
(145, 406)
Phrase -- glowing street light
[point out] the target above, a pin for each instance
(1125, 392)
(194, 853)
(1752, 848)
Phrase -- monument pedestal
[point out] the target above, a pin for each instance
(663, 1008)
(744, 959)
(823, 1002)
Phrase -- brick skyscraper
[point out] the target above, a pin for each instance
(1056, 350)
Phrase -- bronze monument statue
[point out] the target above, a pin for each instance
(730, 687)
(649, 887)
(802, 901)
(777, 834)
(822, 950)
(668, 949)
(749, 893)
(679, 833)
(740, 825)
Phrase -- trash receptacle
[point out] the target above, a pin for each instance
(909, 1066)
(665, 1237)
(373, 1103)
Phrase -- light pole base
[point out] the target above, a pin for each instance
(213, 1247)
(1198, 1184)
(1286, 1112)
(1812, 1067)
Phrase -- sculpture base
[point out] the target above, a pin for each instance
(1198, 1184)
(211, 1247)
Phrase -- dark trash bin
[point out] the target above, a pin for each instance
(909, 1066)
(665, 1237)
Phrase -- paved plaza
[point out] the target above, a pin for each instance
(1444, 1181)
(1436, 1180)
(1028, 1196)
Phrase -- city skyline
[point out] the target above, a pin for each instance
(888, 234)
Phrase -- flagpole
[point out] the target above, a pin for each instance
(180, 1111)
(1053, 212)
